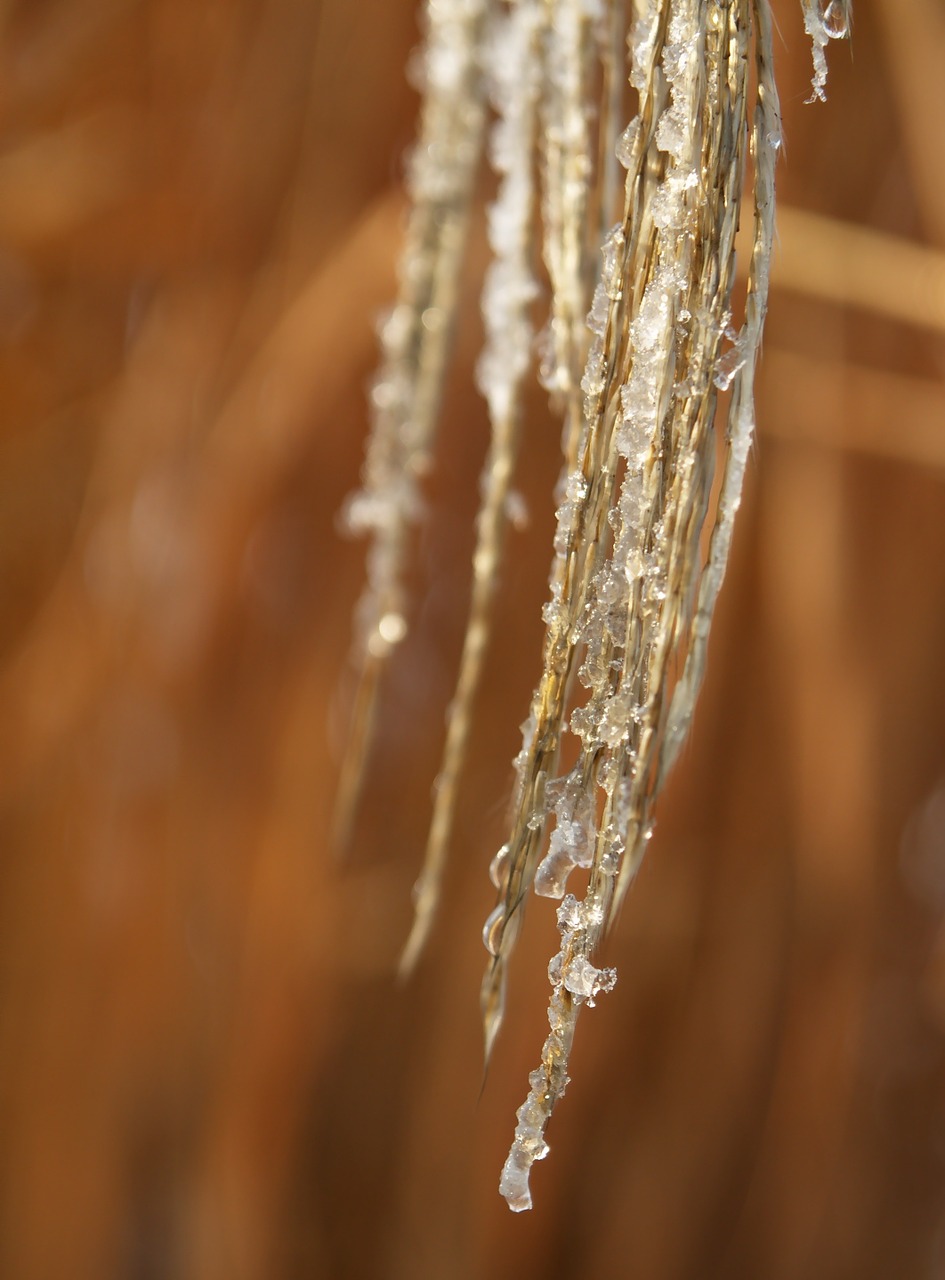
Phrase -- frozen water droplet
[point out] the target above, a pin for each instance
(610, 863)
(569, 913)
(611, 268)
(626, 143)
(492, 930)
(585, 981)
(499, 868)
(600, 308)
(728, 366)
(392, 628)
(581, 977)
(593, 913)
(837, 19)
(552, 875)
(609, 587)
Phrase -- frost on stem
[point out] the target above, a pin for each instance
(573, 40)
(512, 66)
(668, 377)
(415, 341)
(647, 351)
(632, 596)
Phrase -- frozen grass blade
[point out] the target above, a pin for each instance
(680, 271)
(546, 64)
(668, 348)
(508, 294)
(415, 342)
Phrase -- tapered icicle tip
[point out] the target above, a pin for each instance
(513, 1184)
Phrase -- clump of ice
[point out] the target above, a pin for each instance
(572, 840)
(824, 22)
(576, 981)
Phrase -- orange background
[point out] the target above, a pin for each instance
(207, 1071)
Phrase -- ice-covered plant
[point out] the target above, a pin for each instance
(648, 351)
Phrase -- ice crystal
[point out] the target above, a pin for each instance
(652, 376)
(575, 981)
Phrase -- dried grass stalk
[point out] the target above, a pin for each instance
(415, 342)
(512, 64)
(668, 352)
(636, 595)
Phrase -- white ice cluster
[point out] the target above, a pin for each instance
(573, 839)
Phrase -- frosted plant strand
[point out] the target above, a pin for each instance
(741, 417)
(668, 401)
(581, 523)
(508, 293)
(624, 590)
(667, 385)
(568, 63)
(580, 538)
(650, 339)
(654, 599)
(415, 339)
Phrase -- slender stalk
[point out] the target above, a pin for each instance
(415, 345)
(508, 294)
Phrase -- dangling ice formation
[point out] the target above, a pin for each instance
(648, 352)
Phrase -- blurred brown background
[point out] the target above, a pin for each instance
(207, 1071)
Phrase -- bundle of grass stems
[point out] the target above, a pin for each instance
(648, 353)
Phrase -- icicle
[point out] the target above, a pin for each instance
(569, 52)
